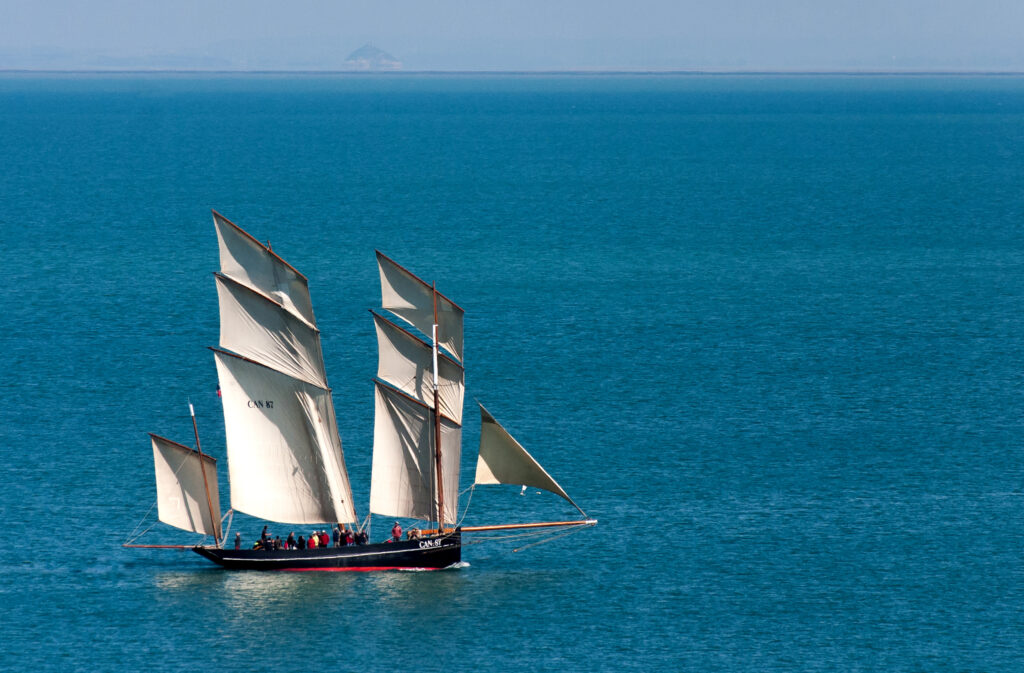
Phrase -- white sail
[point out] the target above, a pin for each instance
(412, 300)
(503, 460)
(406, 363)
(253, 325)
(403, 481)
(251, 263)
(181, 489)
(284, 456)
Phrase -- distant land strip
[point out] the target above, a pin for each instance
(578, 72)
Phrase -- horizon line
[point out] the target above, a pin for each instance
(562, 71)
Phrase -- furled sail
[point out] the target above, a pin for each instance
(412, 300)
(406, 363)
(284, 456)
(403, 481)
(503, 460)
(284, 452)
(181, 488)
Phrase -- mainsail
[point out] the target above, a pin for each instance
(181, 487)
(285, 461)
(503, 460)
(407, 424)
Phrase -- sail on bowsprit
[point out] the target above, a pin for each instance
(182, 486)
(419, 394)
(503, 460)
(285, 461)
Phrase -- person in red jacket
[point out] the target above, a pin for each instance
(396, 532)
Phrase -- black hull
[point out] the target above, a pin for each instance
(428, 554)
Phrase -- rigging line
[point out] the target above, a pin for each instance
(133, 539)
(465, 510)
(139, 524)
(500, 538)
(230, 516)
(575, 529)
(517, 536)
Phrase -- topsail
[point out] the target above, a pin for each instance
(415, 302)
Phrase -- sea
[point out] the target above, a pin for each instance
(768, 330)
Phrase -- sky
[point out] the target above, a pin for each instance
(515, 34)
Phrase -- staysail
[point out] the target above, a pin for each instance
(406, 426)
(503, 460)
(181, 487)
(285, 461)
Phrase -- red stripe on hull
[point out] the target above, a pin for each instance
(363, 569)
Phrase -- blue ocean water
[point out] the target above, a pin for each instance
(766, 329)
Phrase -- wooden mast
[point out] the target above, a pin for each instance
(437, 423)
(206, 484)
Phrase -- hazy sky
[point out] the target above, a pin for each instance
(516, 35)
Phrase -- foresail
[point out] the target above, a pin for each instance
(403, 459)
(181, 488)
(253, 325)
(284, 456)
(412, 300)
(503, 460)
(251, 263)
(406, 363)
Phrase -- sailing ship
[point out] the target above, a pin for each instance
(285, 461)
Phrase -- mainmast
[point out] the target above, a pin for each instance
(437, 421)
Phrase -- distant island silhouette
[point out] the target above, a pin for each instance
(369, 57)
